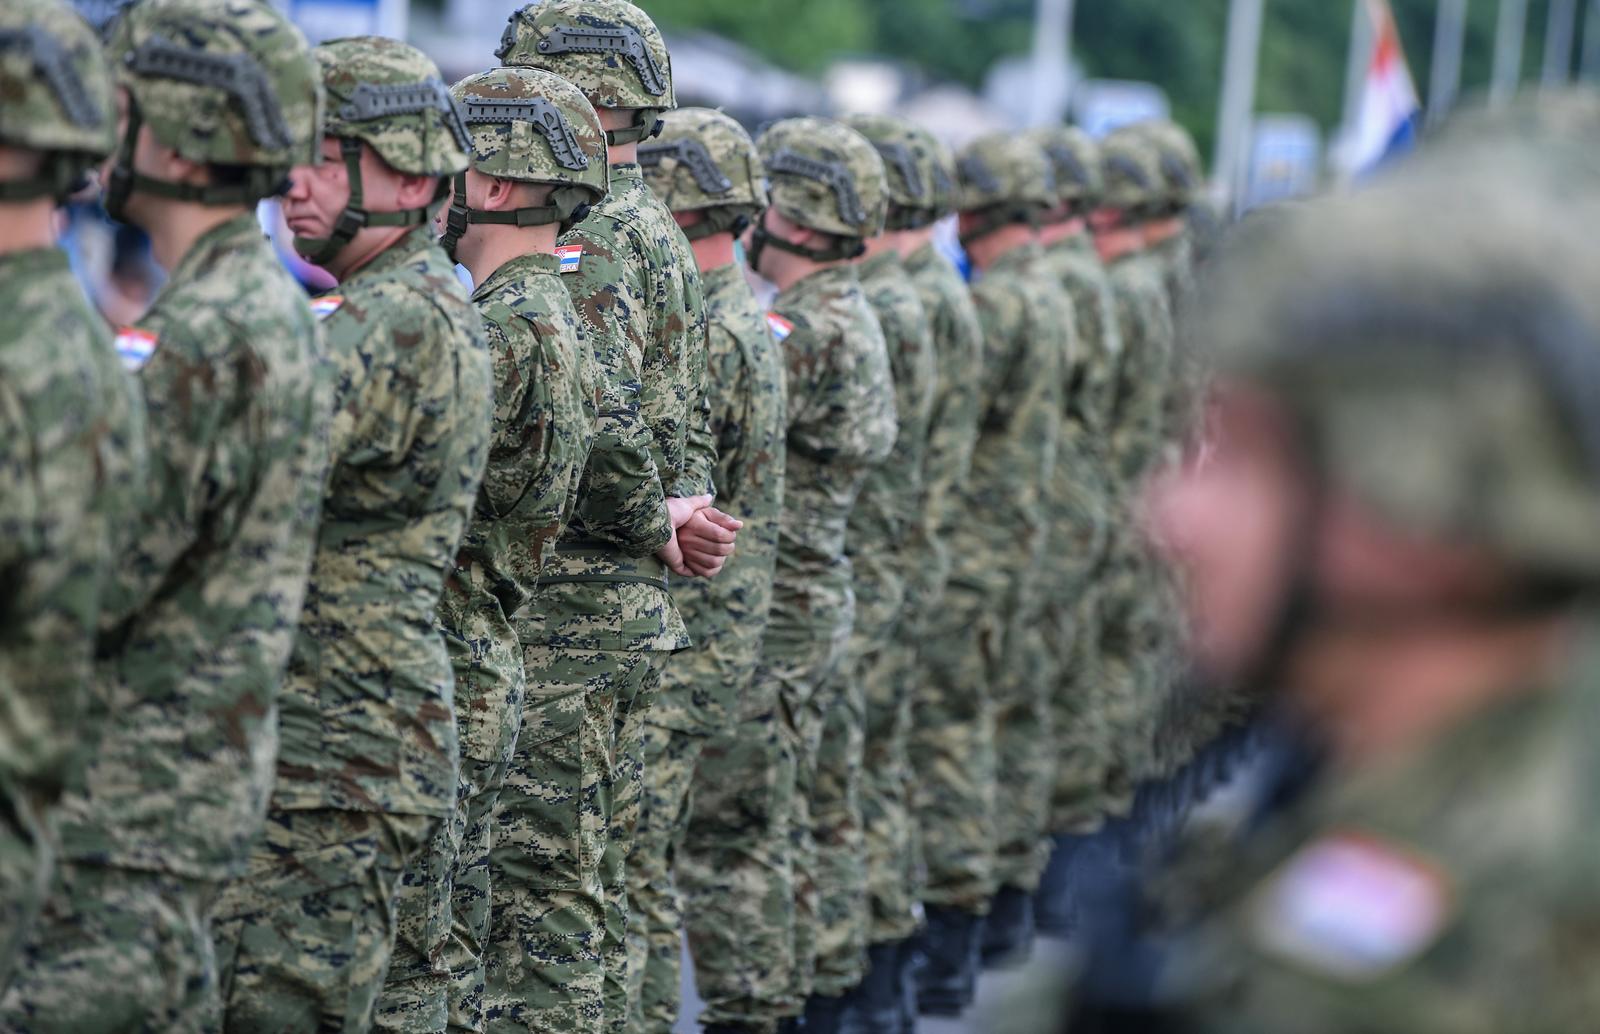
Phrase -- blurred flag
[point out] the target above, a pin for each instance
(1385, 122)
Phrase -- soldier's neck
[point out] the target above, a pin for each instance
(27, 225)
(501, 244)
(713, 252)
(1162, 230)
(174, 227)
(912, 241)
(1066, 229)
(998, 243)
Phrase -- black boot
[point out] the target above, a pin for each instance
(908, 963)
(948, 953)
(793, 1025)
(824, 1014)
(1008, 934)
(1055, 903)
(873, 1006)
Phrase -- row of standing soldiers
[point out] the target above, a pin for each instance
(382, 660)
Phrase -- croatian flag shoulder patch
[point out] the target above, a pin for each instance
(1351, 907)
(780, 327)
(326, 305)
(135, 346)
(570, 255)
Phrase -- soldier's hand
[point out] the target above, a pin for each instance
(679, 510)
(707, 540)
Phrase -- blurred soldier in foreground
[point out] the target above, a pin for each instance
(1085, 501)
(603, 621)
(368, 767)
(1396, 533)
(72, 465)
(714, 749)
(1005, 186)
(828, 197)
(538, 160)
(229, 362)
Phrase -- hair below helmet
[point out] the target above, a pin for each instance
(1003, 179)
(610, 49)
(916, 165)
(705, 162)
(55, 96)
(533, 127)
(827, 177)
(229, 85)
(387, 95)
(1075, 160)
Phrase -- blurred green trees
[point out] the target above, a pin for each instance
(1174, 43)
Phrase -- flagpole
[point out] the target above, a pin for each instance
(1559, 30)
(1508, 51)
(1590, 69)
(1449, 40)
(1238, 97)
(1356, 61)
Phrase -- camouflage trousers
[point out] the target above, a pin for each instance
(117, 949)
(892, 858)
(835, 862)
(544, 968)
(1025, 750)
(27, 869)
(952, 750)
(1079, 718)
(735, 875)
(416, 992)
(305, 936)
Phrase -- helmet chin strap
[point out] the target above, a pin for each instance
(646, 124)
(321, 250)
(761, 237)
(260, 182)
(568, 206)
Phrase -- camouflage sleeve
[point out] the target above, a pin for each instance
(1000, 318)
(623, 500)
(725, 420)
(700, 444)
(519, 446)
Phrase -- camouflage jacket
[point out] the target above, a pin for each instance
(1027, 337)
(1183, 403)
(212, 583)
(366, 716)
(72, 477)
(891, 498)
(1447, 889)
(637, 289)
(841, 424)
(1081, 490)
(727, 615)
(546, 394)
(952, 423)
(1139, 409)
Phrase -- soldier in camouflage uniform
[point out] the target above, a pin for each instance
(186, 688)
(1083, 498)
(1405, 383)
(538, 159)
(72, 464)
(828, 197)
(1133, 664)
(1007, 185)
(367, 767)
(870, 893)
(710, 744)
(603, 618)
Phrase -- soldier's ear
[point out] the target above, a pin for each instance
(417, 191)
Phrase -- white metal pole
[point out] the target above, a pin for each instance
(1238, 96)
(1449, 39)
(1559, 30)
(1508, 51)
(1355, 69)
(1052, 20)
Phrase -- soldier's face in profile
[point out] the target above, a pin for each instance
(318, 193)
(1229, 517)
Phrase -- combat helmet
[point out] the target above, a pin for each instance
(917, 167)
(388, 95)
(534, 127)
(1130, 165)
(1441, 370)
(1182, 176)
(1004, 178)
(55, 96)
(229, 84)
(1075, 160)
(704, 161)
(610, 49)
(824, 176)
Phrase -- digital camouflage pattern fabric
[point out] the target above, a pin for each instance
(706, 692)
(73, 472)
(867, 886)
(367, 717)
(186, 691)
